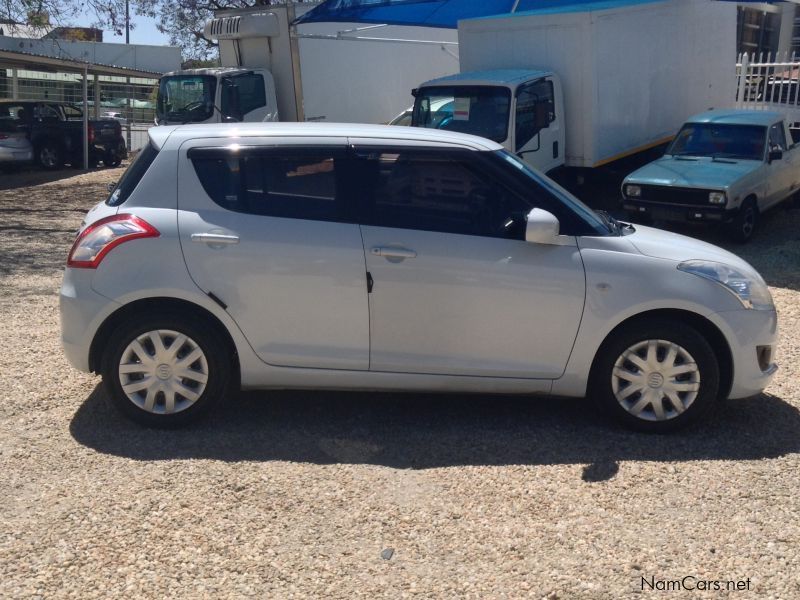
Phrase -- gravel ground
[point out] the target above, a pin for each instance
(290, 495)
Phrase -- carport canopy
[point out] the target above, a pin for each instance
(25, 60)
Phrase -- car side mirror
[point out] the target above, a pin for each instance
(542, 227)
(111, 186)
(775, 155)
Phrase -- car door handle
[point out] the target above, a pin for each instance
(213, 239)
(393, 252)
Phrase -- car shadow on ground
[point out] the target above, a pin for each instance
(421, 431)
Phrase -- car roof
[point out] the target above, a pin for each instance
(737, 117)
(509, 77)
(178, 134)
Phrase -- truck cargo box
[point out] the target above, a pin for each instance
(632, 72)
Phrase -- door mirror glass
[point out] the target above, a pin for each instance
(542, 227)
(775, 155)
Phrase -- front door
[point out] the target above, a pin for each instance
(264, 231)
(538, 138)
(455, 288)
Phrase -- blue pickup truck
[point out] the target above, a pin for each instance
(723, 167)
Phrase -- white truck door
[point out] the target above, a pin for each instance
(781, 172)
(538, 136)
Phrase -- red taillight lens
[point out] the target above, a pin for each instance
(91, 133)
(3, 136)
(99, 238)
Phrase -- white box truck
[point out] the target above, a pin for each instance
(585, 85)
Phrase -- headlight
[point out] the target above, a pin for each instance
(752, 292)
(717, 198)
(633, 191)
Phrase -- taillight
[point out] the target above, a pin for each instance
(3, 136)
(100, 238)
(91, 133)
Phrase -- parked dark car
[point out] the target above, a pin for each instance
(55, 129)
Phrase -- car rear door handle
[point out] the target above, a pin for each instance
(214, 239)
(393, 252)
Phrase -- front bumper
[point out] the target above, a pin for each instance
(676, 212)
(749, 333)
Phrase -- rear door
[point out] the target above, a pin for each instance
(456, 289)
(263, 229)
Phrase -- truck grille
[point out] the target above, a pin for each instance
(674, 195)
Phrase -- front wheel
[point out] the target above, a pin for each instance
(50, 155)
(164, 370)
(744, 223)
(656, 375)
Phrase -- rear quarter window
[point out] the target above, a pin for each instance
(133, 175)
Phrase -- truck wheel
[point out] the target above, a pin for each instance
(655, 375)
(50, 155)
(112, 160)
(744, 223)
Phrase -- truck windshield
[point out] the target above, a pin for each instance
(186, 98)
(745, 142)
(478, 110)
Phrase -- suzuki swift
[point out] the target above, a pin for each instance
(324, 256)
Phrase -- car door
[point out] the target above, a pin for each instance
(263, 230)
(455, 288)
(537, 127)
(781, 172)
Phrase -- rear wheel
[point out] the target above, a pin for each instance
(50, 155)
(165, 370)
(656, 375)
(745, 222)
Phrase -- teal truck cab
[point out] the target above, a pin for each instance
(724, 166)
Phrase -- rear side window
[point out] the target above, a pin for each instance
(133, 175)
(294, 184)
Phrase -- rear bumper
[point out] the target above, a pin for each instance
(678, 212)
(14, 155)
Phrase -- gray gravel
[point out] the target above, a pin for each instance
(292, 495)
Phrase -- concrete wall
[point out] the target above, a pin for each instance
(135, 56)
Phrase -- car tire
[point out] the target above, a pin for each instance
(745, 222)
(143, 350)
(50, 155)
(655, 375)
(112, 160)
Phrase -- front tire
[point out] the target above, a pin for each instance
(745, 222)
(164, 370)
(50, 155)
(656, 376)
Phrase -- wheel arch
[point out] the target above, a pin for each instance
(702, 325)
(149, 306)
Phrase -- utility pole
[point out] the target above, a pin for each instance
(127, 22)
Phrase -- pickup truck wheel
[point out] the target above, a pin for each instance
(50, 155)
(112, 160)
(744, 223)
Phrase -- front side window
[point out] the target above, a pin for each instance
(777, 137)
(477, 110)
(45, 112)
(12, 116)
(72, 112)
(436, 191)
(535, 111)
(744, 142)
(186, 98)
(295, 184)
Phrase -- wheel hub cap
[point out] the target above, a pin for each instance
(655, 380)
(163, 371)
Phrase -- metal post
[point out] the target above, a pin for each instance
(86, 117)
(14, 85)
(96, 97)
(128, 111)
(127, 22)
(743, 79)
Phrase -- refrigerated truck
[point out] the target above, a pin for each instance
(588, 84)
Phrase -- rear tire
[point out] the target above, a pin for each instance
(165, 369)
(745, 222)
(655, 375)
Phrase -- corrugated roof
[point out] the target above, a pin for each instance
(34, 59)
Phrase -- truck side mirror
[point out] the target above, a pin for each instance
(542, 227)
(775, 155)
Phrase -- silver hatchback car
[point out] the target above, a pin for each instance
(332, 256)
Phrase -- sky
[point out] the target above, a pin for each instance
(145, 31)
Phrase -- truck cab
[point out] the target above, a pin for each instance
(216, 95)
(520, 109)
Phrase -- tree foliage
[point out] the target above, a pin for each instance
(181, 20)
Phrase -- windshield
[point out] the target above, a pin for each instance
(186, 98)
(586, 214)
(478, 110)
(723, 141)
